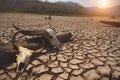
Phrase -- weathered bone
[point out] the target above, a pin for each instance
(24, 57)
(25, 54)
(49, 34)
(30, 32)
(26, 48)
(53, 39)
(8, 54)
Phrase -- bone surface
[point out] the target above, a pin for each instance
(23, 57)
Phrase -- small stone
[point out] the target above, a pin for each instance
(61, 58)
(104, 70)
(76, 61)
(68, 51)
(44, 58)
(87, 48)
(90, 56)
(75, 48)
(44, 51)
(64, 48)
(85, 51)
(87, 65)
(104, 78)
(58, 78)
(93, 43)
(86, 43)
(46, 77)
(52, 54)
(102, 58)
(93, 51)
(110, 58)
(23, 76)
(13, 74)
(111, 62)
(57, 70)
(112, 49)
(117, 58)
(70, 45)
(29, 66)
(77, 72)
(117, 68)
(68, 54)
(64, 75)
(79, 53)
(116, 74)
(68, 69)
(80, 57)
(76, 45)
(107, 42)
(104, 47)
(53, 58)
(91, 75)
(3, 77)
(36, 62)
(63, 64)
(76, 78)
(73, 66)
(97, 54)
(12, 66)
(1, 72)
(118, 51)
(97, 62)
(111, 54)
(40, 69)
(104, 53)
(53, 64)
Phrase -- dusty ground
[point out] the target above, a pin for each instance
(94, 53)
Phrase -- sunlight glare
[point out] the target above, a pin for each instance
(103, 3)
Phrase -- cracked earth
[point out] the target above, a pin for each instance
(93, 54)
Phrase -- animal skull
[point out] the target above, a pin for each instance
(23, 58)
(53, 39)
(25, 54)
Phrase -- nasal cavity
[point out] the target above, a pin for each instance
(21, 66)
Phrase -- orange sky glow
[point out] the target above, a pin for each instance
(91, 3)
(103, 3)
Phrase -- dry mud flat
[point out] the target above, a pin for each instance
(94, 53)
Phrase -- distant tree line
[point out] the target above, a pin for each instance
(37, 6)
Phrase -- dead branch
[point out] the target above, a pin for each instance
(113, 23)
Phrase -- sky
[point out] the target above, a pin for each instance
(90, 3)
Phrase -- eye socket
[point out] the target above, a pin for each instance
(50, 37)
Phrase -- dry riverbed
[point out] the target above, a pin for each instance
(94, 53)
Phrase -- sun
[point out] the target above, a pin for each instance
(103, 3)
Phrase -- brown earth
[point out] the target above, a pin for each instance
(94, 53)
